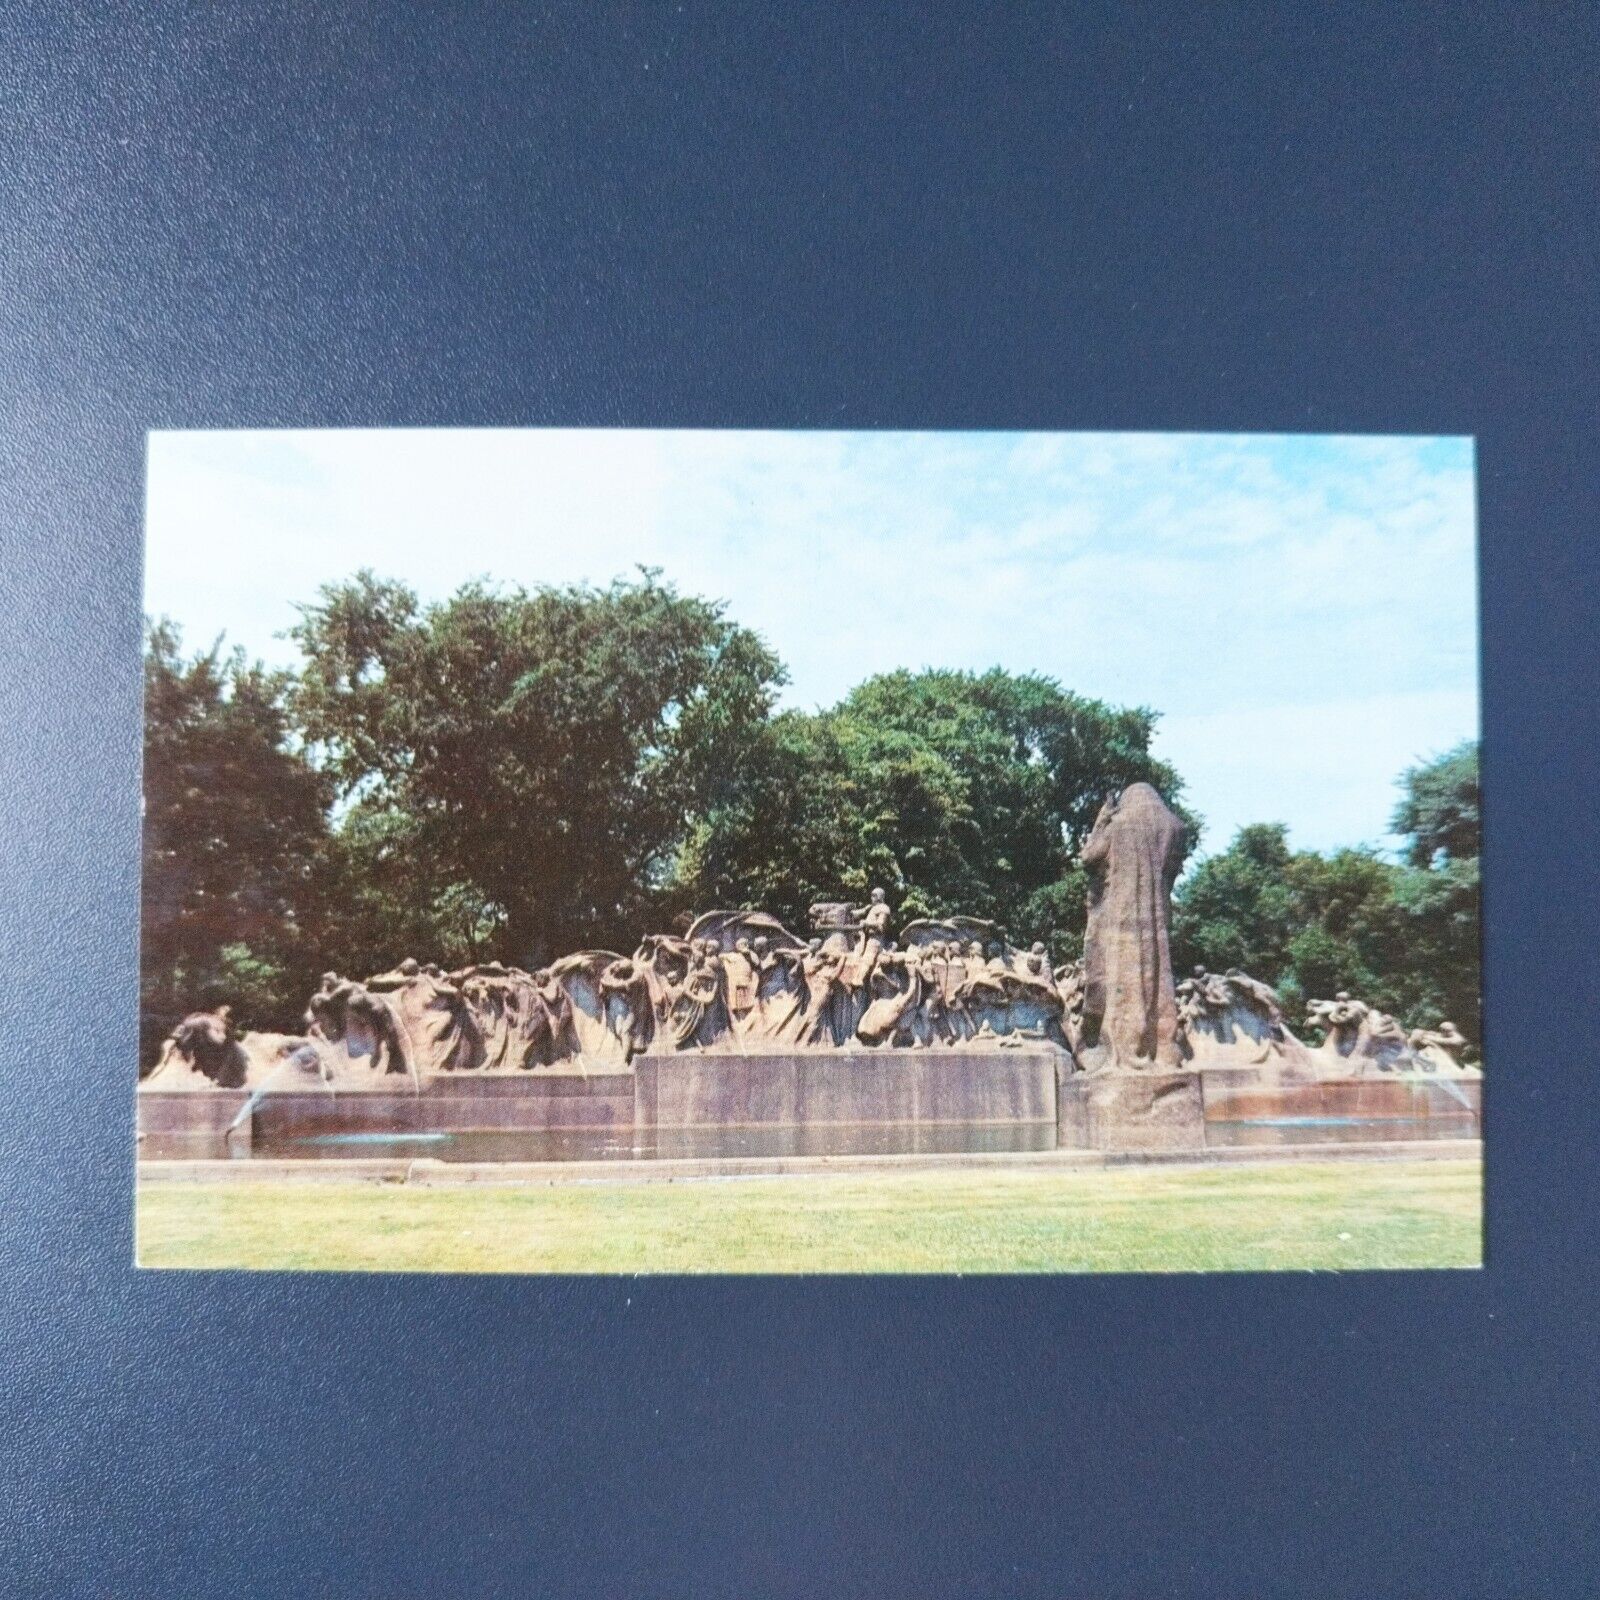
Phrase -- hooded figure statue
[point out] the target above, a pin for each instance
(1130, 1009)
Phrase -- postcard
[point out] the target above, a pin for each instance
(631, 851)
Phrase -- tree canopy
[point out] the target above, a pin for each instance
(235, 836)
(1403, 936)
(515, 773)
(953, 791)
(533, 758)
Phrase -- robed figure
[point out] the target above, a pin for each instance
(1130, 1009)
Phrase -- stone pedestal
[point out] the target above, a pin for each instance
(800, 1089)
(1131, 1111)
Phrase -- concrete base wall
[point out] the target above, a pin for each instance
(460, 1103)
(1132, 1111)
(800, 1089)
(1408, 1099)
(1138, 1112)
(186, 1111)
(448, 1103)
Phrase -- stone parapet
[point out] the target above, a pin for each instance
(809, 1089)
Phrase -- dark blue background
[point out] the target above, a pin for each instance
(1348, 219)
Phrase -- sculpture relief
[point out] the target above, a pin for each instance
(1439, 1049)
(741, 981)
(1357, 1036)
(1235, 1020)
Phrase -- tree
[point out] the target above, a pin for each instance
(539, 755)
(1403, 936)
(521, 773)
(1439, 895)
(1440, 809)
(1347, 935)
(954, 791)
(784, 835)
(234, 832)
(1308, 924)
(1237, 908)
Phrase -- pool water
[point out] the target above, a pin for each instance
(1332, 1130)
(569, 1144)
(835, 1139)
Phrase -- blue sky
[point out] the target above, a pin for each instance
(1301, 609)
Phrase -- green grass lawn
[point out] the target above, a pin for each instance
(1322, 1216)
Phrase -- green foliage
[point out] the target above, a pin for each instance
(1236, 908)
(234, 838)
(1401, 936)
(1305, 923)
(1440, 896)
(953, 791)
(467, 924)
(519, 773)
(782, 836)
(1440, 810)
(542, 753)
(255, 986)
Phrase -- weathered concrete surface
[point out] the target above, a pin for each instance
(457, 1102)
(210, 1110)
(809, 1089)
(1143, 1111)
(1243, 1097)
(448, 1103)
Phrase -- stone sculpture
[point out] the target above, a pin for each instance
(1439, 1049)
(741, 981)
(1358, 1038)
(442, 1030)
(203, 1049)
(1234, 1020)
(1130, 1012)
(1069, 986)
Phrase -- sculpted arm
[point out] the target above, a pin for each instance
(1097, 847)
